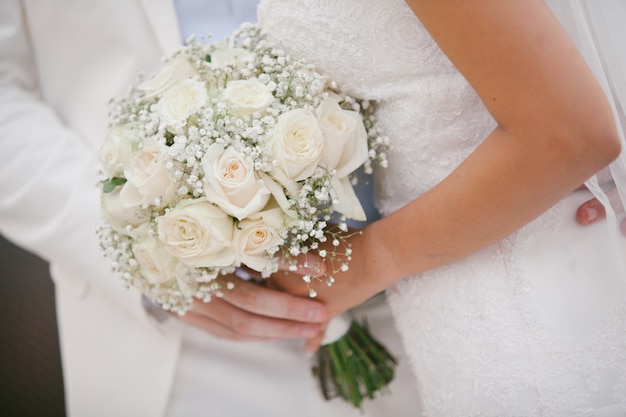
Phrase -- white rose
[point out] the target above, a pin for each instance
(224, 56)
(198, 233)
(232, 183)
(257, 239)
(119, 216)
(345, 200)
(345, 138)
(116, 150)
(345, 150)
(175, 71)
(155, 264)
(181, 101)
(297, 145)
(146, 177)
(280, 198)
(247, 96)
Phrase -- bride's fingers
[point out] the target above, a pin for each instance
(216, 329)
(272, 303)
(247, 311)
(223, 319)
(313, 344)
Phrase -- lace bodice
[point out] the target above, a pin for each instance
(374, 49)
(378, 50)
(491, 334)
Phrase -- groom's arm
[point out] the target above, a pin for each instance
(48, 195)
(49, 201)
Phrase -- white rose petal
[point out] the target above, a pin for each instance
(247, 96)
(345, 150)
(181, 101)
(232, 183)
(345, 138)
(119, 216)
(198, 233)
(297, 145)
(116, 150)
(256, 239)
(346, 201)
(177, 70)
(155, 264)
(146, 177)
(280, 198)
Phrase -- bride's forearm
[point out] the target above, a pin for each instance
(502, 186)
(555, 130)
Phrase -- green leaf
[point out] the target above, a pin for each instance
(110, 184)
(207, 58)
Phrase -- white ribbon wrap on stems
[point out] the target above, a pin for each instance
(337, 328)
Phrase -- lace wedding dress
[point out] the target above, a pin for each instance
(534, 325)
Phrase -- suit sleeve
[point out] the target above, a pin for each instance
(49, 199)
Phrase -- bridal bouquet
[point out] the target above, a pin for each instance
(237, 155)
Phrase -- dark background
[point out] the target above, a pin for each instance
(31, 382)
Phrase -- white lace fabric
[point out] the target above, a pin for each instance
(534, 325)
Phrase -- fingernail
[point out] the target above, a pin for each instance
(592, 214)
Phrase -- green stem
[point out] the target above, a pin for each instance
(354, 366)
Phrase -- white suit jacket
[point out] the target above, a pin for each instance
(60, 62)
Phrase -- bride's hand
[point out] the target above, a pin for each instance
(250, 312)
(292, 282)
(347, 291)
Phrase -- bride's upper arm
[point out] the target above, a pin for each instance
(524, 67)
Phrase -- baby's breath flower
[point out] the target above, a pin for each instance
(292, 84)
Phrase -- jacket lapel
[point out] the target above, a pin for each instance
(162, 17)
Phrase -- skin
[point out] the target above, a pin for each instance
(592, 211)
(555, 129)
(252, 313)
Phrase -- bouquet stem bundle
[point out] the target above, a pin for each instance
(354, 367)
